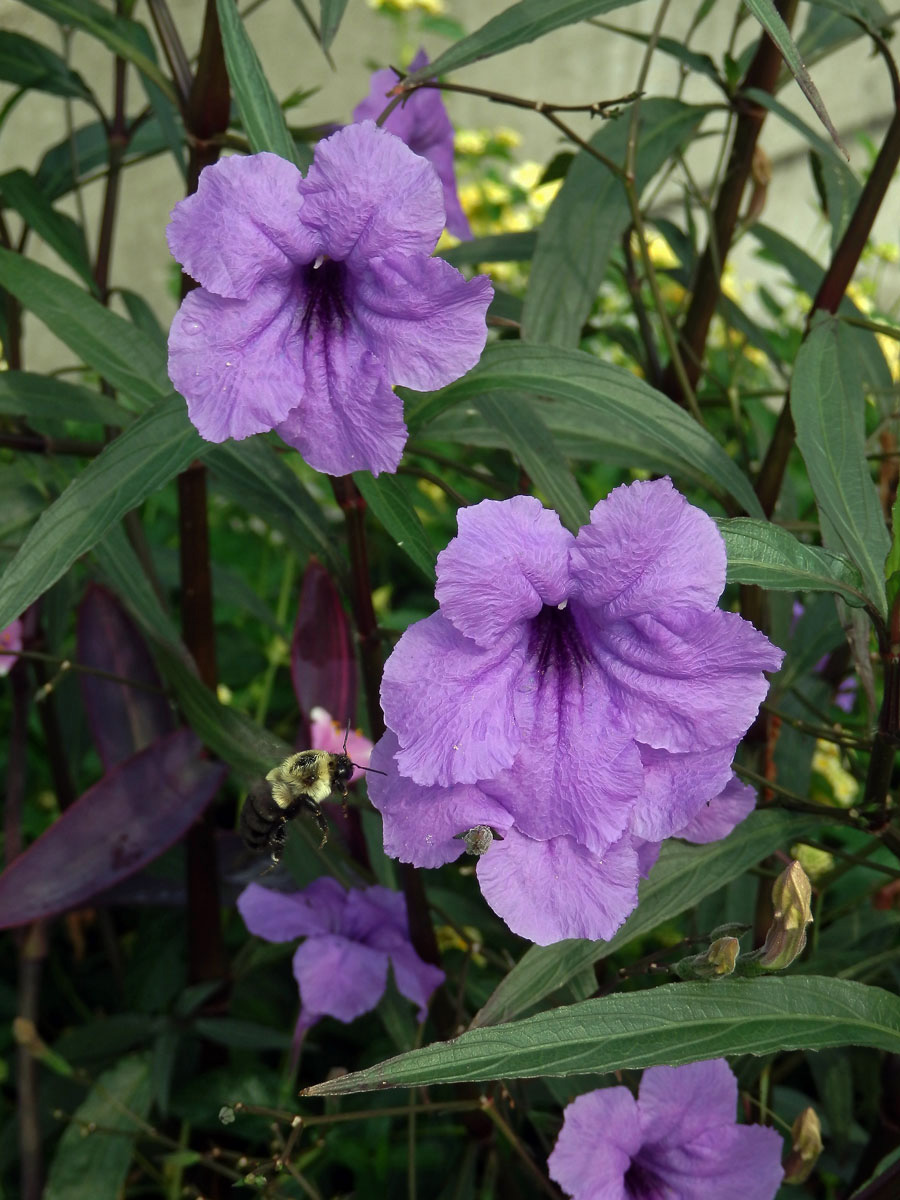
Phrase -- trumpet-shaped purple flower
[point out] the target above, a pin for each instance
(677, 1141)
(318, 294)
(351, 936)
(422, 122)
(582, 695)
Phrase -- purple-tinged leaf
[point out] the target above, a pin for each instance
(136, 811)
(122, 719)
(323, 663)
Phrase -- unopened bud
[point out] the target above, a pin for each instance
(714, 963)
(792, 902)
(806, 1146)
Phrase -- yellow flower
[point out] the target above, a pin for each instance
(496, 193)
(542, 197)
(826, 761)
(890, 348)
(508, 138)
(470, 141)
(814, 862)
(526, 175)
(515, 220)
(470, 197)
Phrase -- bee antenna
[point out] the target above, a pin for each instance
(346, 735)
(374, 770)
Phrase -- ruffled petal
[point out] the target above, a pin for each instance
(719, 816)
(647, 855)
(376, 916)
(235, 361)
(339, 978)
(647, 550)
(415, 979)
(548, 891)
(571, 776)
(422, 122)
(422, 317)
(676, 787)
(283, 916)
(421, 823)
(450, 704)
(734, 1162)
(508, 560)
(690, 681)
(348, 418)
(242, 225)
(367, 195)
(677, 1104)
(599, 1138)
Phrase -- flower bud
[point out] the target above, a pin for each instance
(806, 1146)
(791, 900)
(714, 963)
(478, 839)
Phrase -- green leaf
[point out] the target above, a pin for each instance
(829, 414)
(121, 354)
(93, 1166)
(46, 398)
(892, 562)
(123, 572)
(151, 451)
(681, 878)
(700, 64)
(673, 1024)
(392, 506)
(332, 12)
(606, 395)
(29, 64)
(79, 158)
(516, 25)
(62, 234)
(144, 318)
(530, 441)
(767, 555)
(496, 247)
(118, 33)
(260, 111)
(588, 217)
(770, 19)
(242, 1035)
(254, 476)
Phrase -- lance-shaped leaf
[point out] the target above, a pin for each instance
(765, 554)
(46, 398)
(771, 20)
(136, 811)
(151, 451)
(123, 719)
(30, 65)
(62, 234)
(323, 663)
(390, 503)
(516, 25)
(78, 157)
(604, 393)
(828, 407)
(588, 217)
(681, 878)
(673, 1024)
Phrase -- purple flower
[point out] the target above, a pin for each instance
(677, 1141)
(581, 695)
(318, 295)
(327, 734)
(341, 967)
(422, 122)
(10, 645)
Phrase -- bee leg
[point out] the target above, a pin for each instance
(319, 817)
(345, 807)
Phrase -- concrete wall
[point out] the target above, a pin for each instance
(573, 65)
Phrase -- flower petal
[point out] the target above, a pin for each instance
(235, 361)
(648, 550)
(720, 815)
(690, 681)
(347, 419)
(508, 560)
(422, 317)
(415, 979)
(422, 122)
(10, 645)
(328, 734)
(676, 787)
(575, 774)
(339, 978)
(283, 916)
(450, 704)
(421, 823)
(677, 1104)
(548, 891)
(600, 1136)
(367, 195)
(242, 225)
(733, 1162)
(374, 914)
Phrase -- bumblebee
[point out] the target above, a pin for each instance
(302, 781)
